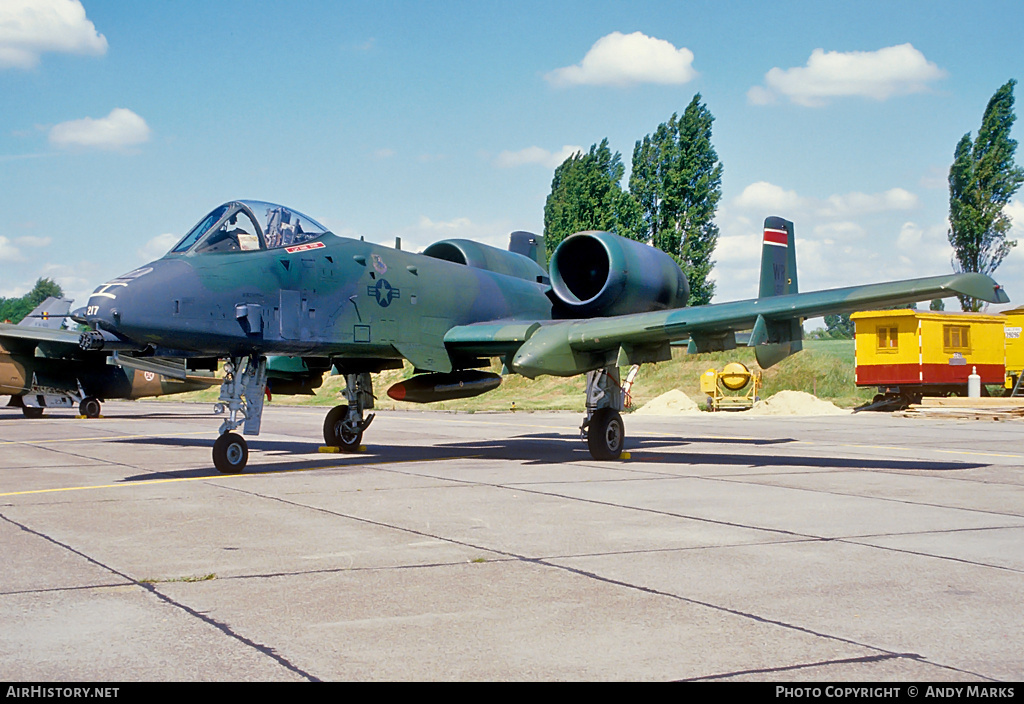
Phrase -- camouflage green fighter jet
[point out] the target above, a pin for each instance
(253, 279)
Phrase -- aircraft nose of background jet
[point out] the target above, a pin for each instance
(137, 305)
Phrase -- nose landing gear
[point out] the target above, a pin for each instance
(241, 394)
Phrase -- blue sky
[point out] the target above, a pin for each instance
(123, 123)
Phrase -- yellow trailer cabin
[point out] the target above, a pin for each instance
(908, 354)
(1014, 322)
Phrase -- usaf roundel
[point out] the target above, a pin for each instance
(383, 292)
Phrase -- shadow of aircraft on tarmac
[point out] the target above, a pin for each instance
(533, 449)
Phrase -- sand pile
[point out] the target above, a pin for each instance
(796, 403)
(672, 403)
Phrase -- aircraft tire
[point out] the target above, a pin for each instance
(606, 434)
(90, 407)
(335, 434)
(31, 412)
(230, 453)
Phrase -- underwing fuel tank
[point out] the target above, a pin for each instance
(427, 388)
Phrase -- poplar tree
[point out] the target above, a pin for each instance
(586, 194)
(982, 179)
(676, 182)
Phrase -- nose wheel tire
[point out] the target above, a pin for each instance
(230, 453)
(337, 435)
(31, 412)
(89, 407)
(606, 434)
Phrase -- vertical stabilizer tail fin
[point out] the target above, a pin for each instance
(49, 314)
(529, 245)
(778, 259)
(775, 339)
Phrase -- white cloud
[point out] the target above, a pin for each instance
(1015, 209)
(34, 242)
(158, 246)
(895, 70)
(922, 251)
(384, 153)
(768, 198)
(29, 28)
(864, 203)
(8, 251)
(536, 155)
(427, 231)
(121, 128)
(734, 250)
(842, 240)
(628, 59)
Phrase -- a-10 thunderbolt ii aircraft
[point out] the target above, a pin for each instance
(253, 279)
(42, 366)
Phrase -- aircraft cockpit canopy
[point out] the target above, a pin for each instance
(248, 225)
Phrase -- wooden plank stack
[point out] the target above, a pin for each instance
(960, 408)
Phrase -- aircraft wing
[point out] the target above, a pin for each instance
(55, 343)
(569, 347)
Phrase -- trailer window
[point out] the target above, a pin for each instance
(956, 337)
(888, 339)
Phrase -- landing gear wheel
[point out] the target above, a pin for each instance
(606, 434)
(337, 435)
(90, 407)
(31, 412)
(230, 453)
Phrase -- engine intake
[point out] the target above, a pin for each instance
(601, 274)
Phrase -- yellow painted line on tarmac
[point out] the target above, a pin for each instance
(241, 475)
(46, 441)
(982, 454)
(970, 453)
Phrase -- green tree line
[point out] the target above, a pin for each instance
(14, 309)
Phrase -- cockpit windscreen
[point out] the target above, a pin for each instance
(247, 225)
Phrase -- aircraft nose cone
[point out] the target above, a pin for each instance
(136, 302)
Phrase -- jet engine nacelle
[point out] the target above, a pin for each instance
(482, 256)
(602, 274)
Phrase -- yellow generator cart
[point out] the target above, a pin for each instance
(909, 354)
(735, 377)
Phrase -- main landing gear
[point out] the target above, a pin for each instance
(90, 407)
(344, 425)
(603, 428)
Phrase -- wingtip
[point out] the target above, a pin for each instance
(979, 286)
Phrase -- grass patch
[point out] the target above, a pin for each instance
(824, 368)
(191, 578)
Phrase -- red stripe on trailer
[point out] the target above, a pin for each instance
(925, 374)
